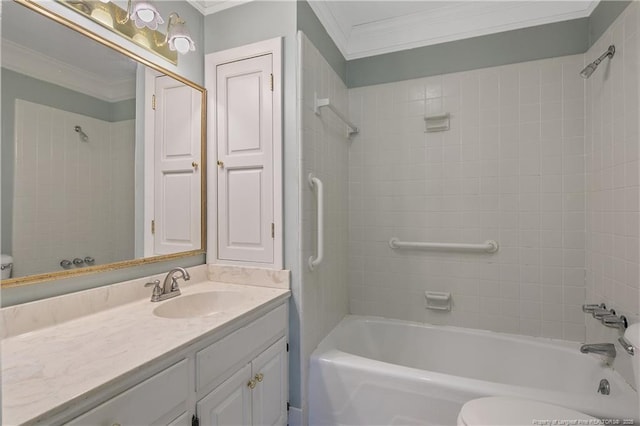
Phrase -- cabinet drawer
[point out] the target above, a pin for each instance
(160, 398)
(221, 357)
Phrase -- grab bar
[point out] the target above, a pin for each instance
(314, 181)
(489, 246)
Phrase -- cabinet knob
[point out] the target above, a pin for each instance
(195, 165)
(221, 164)
(251, 384)
(259, 377)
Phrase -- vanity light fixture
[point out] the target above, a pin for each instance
(178, 35)
(139, 23)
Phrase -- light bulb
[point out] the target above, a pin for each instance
(181, 44)
(178, 36)
(146, 15)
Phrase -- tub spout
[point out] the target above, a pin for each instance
(606, 349)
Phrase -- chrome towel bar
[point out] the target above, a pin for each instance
(326, 102)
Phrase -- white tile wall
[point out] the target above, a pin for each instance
(72, 198)
(613, 177)
(511, 168)
(325, 152)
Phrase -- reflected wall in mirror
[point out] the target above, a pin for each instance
(102, 154)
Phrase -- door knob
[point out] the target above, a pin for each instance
(221, 164)
(195, 165)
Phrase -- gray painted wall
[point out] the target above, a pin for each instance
(311, 26)
(19, 86)
(249, 23)
(603, 16)
(527, 44)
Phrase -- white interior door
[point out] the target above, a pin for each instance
(244, 126)
(177, 167)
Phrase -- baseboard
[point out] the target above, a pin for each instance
(295, 416)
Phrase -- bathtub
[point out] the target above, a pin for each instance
(374, 371)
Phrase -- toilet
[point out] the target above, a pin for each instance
(6, 266)
(632, 336)
(499, 410)
(502, 410)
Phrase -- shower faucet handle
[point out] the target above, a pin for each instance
(614, 321)
(601, 313)
(589, 308)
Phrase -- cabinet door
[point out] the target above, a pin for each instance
(245, 160)
(269, 397)
(229, 404)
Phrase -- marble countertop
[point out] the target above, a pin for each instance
(46, 370)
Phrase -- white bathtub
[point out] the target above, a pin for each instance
(373, 371)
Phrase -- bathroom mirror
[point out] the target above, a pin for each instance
(103, 153)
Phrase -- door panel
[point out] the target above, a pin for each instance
(176, 189)
(244, 213)
(244, 111)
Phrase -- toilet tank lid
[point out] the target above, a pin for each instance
(5, 258)
(632, 334)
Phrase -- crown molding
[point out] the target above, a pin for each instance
(42, 67)
(208, 7)
(198, 5)
(459, 20)
(338, 34)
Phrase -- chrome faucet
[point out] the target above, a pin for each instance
(606, 349)
(615, 321)
(170, 286)
(171, 282)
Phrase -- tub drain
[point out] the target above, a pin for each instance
(604, 387)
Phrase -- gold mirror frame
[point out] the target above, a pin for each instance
(50, 276)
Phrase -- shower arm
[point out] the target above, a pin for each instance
(610, 52)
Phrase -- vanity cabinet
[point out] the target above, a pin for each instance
(254, 395)
(239, 379)
(157, 400)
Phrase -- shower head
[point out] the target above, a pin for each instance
(83, 135)
(589, 69)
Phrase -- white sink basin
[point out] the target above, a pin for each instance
(199, 304)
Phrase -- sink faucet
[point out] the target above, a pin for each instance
(171, 282)
(170, 287)
(606, 349)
